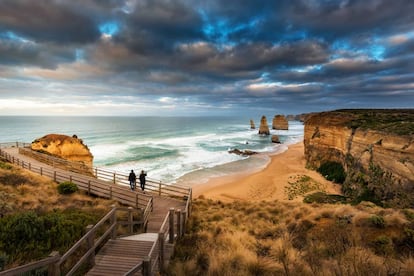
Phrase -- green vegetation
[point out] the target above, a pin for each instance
(36, 220)
(332, 171)
(67, 187)
(279, 238)
(301, 185)
(321, 197)
(5, 166)
(28, 235)
(395, 121)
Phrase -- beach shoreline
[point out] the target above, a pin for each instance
(266, 184)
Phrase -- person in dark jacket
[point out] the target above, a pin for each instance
(142, 179)
(132, 179)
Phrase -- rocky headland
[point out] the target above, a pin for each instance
(375, 148)
(70, 148)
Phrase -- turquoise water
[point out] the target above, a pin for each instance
(172, 149)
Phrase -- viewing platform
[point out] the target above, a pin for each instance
(134, 239)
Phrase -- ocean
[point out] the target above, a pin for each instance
(185, 150)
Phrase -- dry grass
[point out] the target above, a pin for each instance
(275, 238)
(23, 190)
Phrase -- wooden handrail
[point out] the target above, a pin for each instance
(54, 257)
(118, 178)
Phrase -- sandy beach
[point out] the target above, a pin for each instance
(267, 184)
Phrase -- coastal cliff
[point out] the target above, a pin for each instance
(375, 148)
(63, 146)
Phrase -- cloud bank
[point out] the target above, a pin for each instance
(181, 57)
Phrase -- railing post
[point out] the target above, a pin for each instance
(41, 171)
(136, 200)
(54, 176)
(91, 243)
(184, 222)
(130, 219)
(171, 221)
(159, 189)
(146, 266)
(110, 192)
(30, 166)
(178, 213)
(54, 268)
(96, 172)
(114, 178)
(89, 187)
(113, 221)
(161, 241)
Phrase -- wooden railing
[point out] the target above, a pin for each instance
(173, 226)
(84, 249)
(154, 187)
(90, 184)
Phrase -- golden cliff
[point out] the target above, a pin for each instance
(375, 147)
(66, 147)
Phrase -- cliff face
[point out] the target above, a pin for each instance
(376, 149)
(280, 122)
(63, 146)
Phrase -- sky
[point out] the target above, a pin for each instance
(210, 57)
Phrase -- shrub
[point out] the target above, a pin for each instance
(321, 197)
(67, 187)
(13, 179)
(333, 171)
(5, 166)
(377, 221)
(27, 236)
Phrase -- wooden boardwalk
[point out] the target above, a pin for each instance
(120, 255)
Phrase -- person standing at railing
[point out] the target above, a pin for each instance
(132, 179)
(142, 179)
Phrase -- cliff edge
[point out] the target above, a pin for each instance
(375, 148)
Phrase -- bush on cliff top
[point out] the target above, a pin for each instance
(333, 171)
(67, 187)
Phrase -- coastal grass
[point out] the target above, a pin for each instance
(35, 219)
(293, 238)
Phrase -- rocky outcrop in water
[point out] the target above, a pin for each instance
(63, 146)
(264, 127)
(375, 147)
(252, 126)
(280, 122)
(242, 152)
(275, 139)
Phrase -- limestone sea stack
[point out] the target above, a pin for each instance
(264, 128)
(66, 147)
(280, 122)
(252, 126)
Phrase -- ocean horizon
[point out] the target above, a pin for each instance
(185, 150)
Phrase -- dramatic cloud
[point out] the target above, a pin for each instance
(182, 57)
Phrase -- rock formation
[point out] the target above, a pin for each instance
(252, 126)
(264, 128)
(275, 139)
(375, 147)
(63, 146)
(280, 122)
(242, 152)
